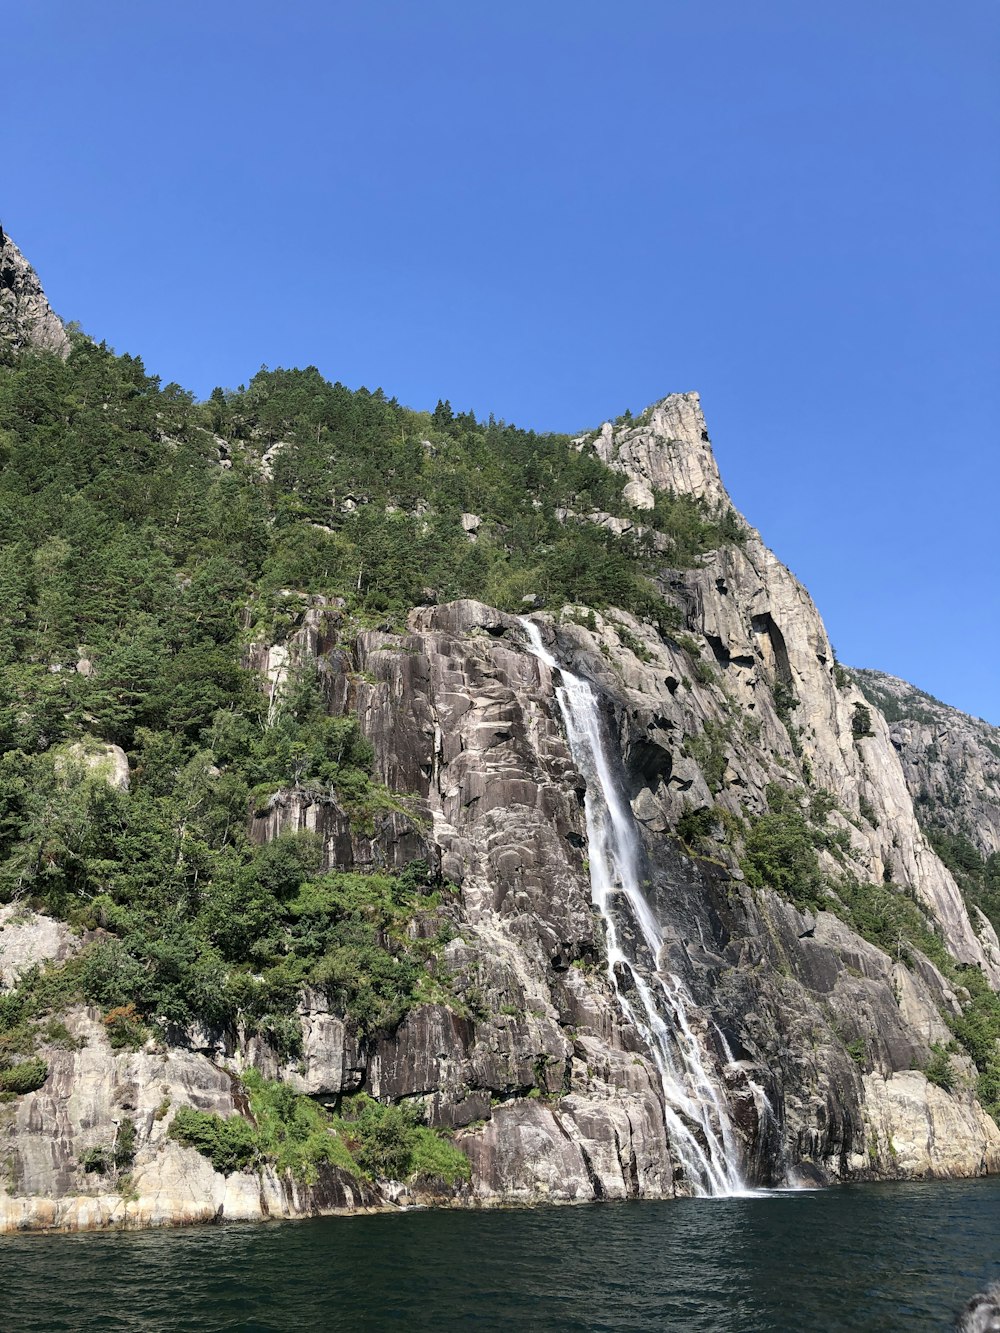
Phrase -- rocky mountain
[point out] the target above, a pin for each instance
(951, 760)
(952, 766)
(671, 921)
(26, 319)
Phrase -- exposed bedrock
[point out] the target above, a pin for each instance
(26, 318)
(803, 1032)
(951, 760)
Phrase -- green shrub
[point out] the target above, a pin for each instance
(821, 806)
(125, 1144)
(288, 1130)
(388, 1137)
(56, 1033)
(112, 976)
(27, 1076)
(780, 854)
(229, 1142)
(38, 992)
(867, 812)
(694, 825)
(709, 749)
(785, 701)
(292, 1131)
(294, 1134)
(587, 619)
(393, 1144)
(890, 918)
(435, 1158)
(97, 1161)
(861, 722)
(693, 527)
(858, 1051)
(124, 1029)
(988, 1090)
(702, 672)
(688, 644)
(939, 1069)
(628, 640)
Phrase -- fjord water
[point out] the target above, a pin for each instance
(858, 1258)
(695, 1110)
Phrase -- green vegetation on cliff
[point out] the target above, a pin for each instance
(144, 544)
(242, 947)
(781, 852)
(293, 1133)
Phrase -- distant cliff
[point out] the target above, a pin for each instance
(952, 767)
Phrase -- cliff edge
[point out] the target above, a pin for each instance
(26, 318)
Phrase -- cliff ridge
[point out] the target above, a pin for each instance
(26, 318)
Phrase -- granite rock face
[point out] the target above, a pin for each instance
(109, 762)
(757, 629)
(26, 318)
(667, 448)
(812, 1017)
(951, 761)
(51, 1138)
(816, 1039)
(29, 940)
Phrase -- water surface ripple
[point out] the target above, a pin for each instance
(855, 1258)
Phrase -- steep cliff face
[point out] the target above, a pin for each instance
(26, 318)
(818, 1037)
(951, 761)
(668, 448)
(561, 1064)
(764, 641)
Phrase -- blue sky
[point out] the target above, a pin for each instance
(552, 211)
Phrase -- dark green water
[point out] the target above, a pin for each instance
(862, 1258)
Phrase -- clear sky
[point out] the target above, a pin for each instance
(557, 209)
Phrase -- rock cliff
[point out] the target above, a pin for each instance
(26, 318)
(762, 644)
(951, 761)
(816, 1042)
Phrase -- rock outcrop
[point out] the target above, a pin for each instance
(951, 761)
(666, 449)
(108, 762)
(29, 940)
(26, 318)
(59, 1146)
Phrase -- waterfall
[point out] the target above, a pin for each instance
(695, 1114)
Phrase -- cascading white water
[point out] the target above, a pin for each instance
(696, 1116)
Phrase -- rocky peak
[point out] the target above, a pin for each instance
(26, 318)
(667, 447)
